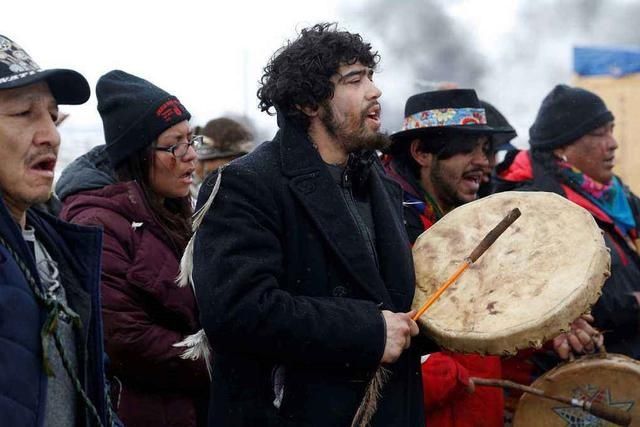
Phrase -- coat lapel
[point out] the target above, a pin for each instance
(396, 265)
(312, 185)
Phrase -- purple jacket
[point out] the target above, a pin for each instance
(144, 311)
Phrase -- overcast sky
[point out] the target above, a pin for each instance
(210, 53)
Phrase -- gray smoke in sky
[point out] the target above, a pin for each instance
(420, 45)
(538, 53)
(421, 41)
(423, 33)
(595, 21)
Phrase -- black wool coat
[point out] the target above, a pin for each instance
(290, 297)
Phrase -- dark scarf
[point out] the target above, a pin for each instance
(414, 195)
(358, 168)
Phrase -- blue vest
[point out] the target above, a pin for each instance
(23, 383)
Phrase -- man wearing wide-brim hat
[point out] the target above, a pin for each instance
(440, 154)
(223, 140)
(440, 158)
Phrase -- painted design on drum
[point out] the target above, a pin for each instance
(575, 417)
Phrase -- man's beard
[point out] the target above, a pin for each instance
(446, 192)
(352, 133)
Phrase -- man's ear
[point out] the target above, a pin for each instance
(309, 111)
(424, 159)
(561, 153)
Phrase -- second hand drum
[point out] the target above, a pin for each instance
(546, 270)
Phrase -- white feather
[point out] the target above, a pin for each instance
(369, 404)
(197, 347)
(186, 265)
(186, 262)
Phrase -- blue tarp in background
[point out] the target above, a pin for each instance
(597, 61)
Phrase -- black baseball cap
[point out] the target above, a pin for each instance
(18, 69)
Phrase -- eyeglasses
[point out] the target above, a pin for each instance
(180, 149)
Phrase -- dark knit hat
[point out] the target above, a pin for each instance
(134, 113)
(566, 114)
(17, 69)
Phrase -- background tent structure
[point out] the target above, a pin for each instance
(614, 74)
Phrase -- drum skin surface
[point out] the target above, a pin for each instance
(546, 270)
(609, 379)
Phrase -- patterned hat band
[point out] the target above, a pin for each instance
(445, 117)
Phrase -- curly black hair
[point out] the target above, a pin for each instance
(298, 74)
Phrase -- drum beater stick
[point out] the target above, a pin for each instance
(484, 244)
(369, 403)
(607, 413)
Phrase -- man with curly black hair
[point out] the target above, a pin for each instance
(301, 266)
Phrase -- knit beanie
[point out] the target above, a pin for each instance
(134, 113)
(566, 114)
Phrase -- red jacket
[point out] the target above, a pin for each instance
(445, 376)
(144, 311)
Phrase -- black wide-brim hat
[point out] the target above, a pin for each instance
(495, 119)
(442, 112)
(18, 69)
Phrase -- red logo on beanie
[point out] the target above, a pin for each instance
(170, 109)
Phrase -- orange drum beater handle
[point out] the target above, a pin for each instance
(441, 289)
(484, 244)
